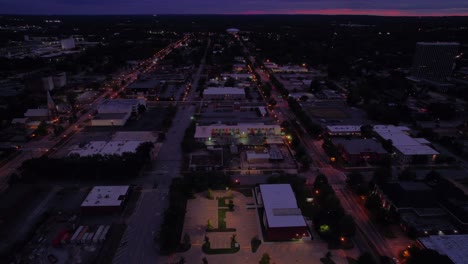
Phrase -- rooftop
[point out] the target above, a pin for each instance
(454, 246)
(403, 142)
(105, 148)
(223, 90)
(111, 116)
(280, 206)
(105, 196)
(344, 129)
(40, 112)
(357, 146)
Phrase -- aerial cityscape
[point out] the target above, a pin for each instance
(233, 132)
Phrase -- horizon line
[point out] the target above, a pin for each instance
(239, 14)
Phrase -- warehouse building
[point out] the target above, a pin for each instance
(281, 218)
(116, 112)
(223, 93)
(105, 199)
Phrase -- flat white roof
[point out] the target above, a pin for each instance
(105, 196)
(281, 206)
(40, 112)
(104, 147)
(223, 90)
(454, 246)
(403, 142)
(344, 129)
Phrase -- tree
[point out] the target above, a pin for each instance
(210, 224)
(209, 194)
(355, 178)
(388, 145)
(265, 259)
(304, 98)
(426, 256)
(41, 130)
(141, 109)
(366, 258)
(367, 130)
(347, 226)
(231, 205)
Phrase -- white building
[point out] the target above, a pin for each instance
(68, 43)
(223, 93)
(408, 149)
(105, 199)
(105, 148)
(453, 246)
(344, 130)
(282, 218)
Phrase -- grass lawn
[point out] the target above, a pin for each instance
(222, 218)
(222, 202)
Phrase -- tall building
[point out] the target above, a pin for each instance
(434, 61)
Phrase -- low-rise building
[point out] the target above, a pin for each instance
(281, 216)
(344, 130)
(116, 112)
(453, 246)
(223, 93)
(408, 149)
(105, 199)
(116, 147)
(355, 151)
(40, 114)
(211, 132)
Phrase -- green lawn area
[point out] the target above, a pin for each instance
(222, 218)
(222, 202)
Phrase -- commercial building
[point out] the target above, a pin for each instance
(434, 61)
(105, 148)
(408, 149)
(120, 106)
(453, 246)
(355, 151)
(241, 130)
(223, 93)
(68, 43)
(281, 217)
(111, 119)
(105, 199)
(116, 112)
(344, 130)
(41, 114)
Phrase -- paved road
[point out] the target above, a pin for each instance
(39, 147)
(137, 242)
(367, 237)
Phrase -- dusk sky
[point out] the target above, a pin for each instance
(370, 7)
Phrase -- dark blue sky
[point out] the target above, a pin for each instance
(373, 7)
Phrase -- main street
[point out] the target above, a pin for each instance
(39, 147)
(367, 237)
(137, 245)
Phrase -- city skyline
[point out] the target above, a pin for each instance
(244, 7)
